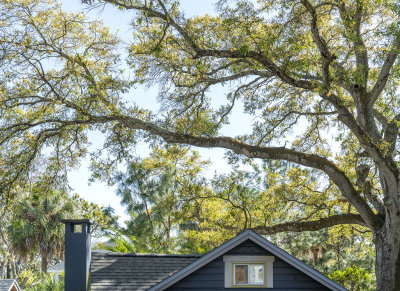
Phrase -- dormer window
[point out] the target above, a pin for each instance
(249, 274)
(248, 271)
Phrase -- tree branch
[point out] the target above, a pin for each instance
(391, 133)
(314, 225)
(385, 71)
(385, 164)
(321, 43)
(352, 25)
(359, 46)
(276, 153)
(233, 54)
(266, 62)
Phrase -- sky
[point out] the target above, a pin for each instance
(118, 21)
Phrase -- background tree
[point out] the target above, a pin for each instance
(10, 262)
(156, 192)
(121, 242)
(202, 213)
(36, 226)
(353, 278)
(326, 71)
(103, 218)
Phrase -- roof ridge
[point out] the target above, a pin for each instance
(119, 254)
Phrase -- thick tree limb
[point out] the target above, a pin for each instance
(378, 205)
(385, 71)
(385, 163)
(362, 172)
(320, 41)
(352, 24)
(309, 160)
(359, 46)
(391, 133)
(344, 115)
(381, 119)
(299, 226)
(353, 28)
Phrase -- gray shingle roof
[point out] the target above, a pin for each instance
(5, 284)
(136, 272)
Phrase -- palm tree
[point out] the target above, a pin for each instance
(122, 244)
(36, 226)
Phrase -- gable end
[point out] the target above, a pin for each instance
(262, 244)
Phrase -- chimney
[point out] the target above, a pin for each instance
(77, 254)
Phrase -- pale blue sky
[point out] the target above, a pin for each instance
(118, 21)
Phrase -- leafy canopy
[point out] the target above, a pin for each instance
(312, 75)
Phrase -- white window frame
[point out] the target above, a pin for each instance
(263, 284)
(232, 260)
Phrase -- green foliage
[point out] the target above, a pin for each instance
(31, 228)
(36, 227)
(317, 81)
(103, 218)
(353, 278)
(48, 283)
(41, 31)
(123, 244)
(332, 251)
(214, 210)
(153, 190)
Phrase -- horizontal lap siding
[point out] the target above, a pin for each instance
(211, 276)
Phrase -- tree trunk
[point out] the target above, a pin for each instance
(13, 270)
(44, 264)
(387, 246)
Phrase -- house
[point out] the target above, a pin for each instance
(56, 270)
(246, 262)
(9, 285)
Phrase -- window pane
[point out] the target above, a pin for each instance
(241, 274)
(256, 274)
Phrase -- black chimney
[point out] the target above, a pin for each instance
(77, 254)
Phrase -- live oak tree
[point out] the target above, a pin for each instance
(312, 73)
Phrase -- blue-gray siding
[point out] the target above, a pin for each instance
(211, 276)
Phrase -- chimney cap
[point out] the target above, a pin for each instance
(76, 221)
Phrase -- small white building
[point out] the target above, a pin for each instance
(9, 285)
(56, 270)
